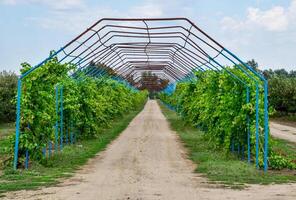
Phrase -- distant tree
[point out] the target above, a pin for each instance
(281, 72)
(8, 84)
(268, 73)
(292, 74)
(252, 63)
(151, 82)
(282, 88)
(282, 94)
(271, 73)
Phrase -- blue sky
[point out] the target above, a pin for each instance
(261, 29)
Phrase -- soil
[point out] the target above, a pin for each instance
(147, 162)
(282, 131)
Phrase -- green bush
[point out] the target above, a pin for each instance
(279, 162)
(282, 94)
(8, 82)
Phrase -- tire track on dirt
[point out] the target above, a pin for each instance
(147, 162)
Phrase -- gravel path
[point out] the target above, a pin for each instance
(147, 162)
(283, 131)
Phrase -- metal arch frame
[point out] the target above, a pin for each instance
(182, 59)
(121, 50)
(204, 64)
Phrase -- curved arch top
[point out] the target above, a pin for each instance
(124, 44)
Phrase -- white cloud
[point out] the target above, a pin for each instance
(76, 19)
(52, 4)
(267, 35)
(73, 20)
(231, 23)
(63, 4)
(70, 15)
(277, 19)
(292, 11)
(147, 10)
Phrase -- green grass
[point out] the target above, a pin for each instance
(6, 129)
(285, 148)
(219, 166)
(63, 164)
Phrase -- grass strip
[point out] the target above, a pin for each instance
(63, 164)
(222, 167)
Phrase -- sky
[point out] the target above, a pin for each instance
(264, 30)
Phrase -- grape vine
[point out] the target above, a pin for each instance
(89, 104)
(217, 104)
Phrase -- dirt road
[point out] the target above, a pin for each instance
(283, 131)
(147, 162)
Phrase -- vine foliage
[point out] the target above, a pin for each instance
(217, 104)
(89, 104)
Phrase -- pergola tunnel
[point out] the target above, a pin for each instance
(126, 50)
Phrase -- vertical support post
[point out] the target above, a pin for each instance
(44, 152)
(266, 128)
(74, 135)
(71, 131)
(243, 152)
(49, 149)
(248, 128)
(257, 126)
(61, 120)
(232, 145)
(27, 160)
(57, 121)
(67, 132)
(18, 122)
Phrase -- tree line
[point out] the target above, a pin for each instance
(282, 89)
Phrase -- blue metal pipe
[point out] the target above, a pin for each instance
(248, 128)
(257, 126)
(86, 73)
(243, 82)
(243, 152)
(266, 128)
(243, 70)
(67, 132)
(18, 122)
(71, 132)
(248, 67)
(61, 121)
(44, 152)
(266, 125)
(40, 64)
(49, 149)
(57, 121)
(232, 145)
